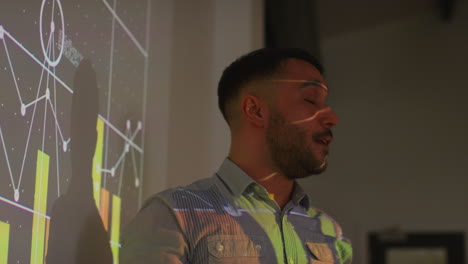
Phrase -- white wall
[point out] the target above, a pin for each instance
(192, 42)
(207, 36)
(400, 156)
(157, 114)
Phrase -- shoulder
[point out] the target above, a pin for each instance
(198, 192)
(330, 227)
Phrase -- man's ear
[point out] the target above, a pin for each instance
(254, 110)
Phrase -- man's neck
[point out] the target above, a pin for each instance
(278, 186)
(280, 189)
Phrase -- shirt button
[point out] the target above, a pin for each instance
(219, 247)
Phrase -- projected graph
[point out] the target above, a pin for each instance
(43, 43)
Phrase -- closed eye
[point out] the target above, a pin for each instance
(310, 101)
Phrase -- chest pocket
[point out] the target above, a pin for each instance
(321, 253)
(235, 249)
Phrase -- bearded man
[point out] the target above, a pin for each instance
(252, 210)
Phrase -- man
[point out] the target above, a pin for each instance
(252, 210)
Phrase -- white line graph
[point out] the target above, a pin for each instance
(16, 187)
(125, 151)
(125, 28)
(46, 67)
(25, 208)
(109, 93)
(12, 72)
(53, 84)
(122, 135)
(6, 33)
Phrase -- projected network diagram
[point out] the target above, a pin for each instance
(43, 43)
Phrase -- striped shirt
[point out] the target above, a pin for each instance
(229, 218)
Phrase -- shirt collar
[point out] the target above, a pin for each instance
(237, 181)
(299, 196)
(234, 177)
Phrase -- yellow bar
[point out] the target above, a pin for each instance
(4, 242)
(40, 205)
(97, 161)
(115, 227)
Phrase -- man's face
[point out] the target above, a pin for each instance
(299, 127)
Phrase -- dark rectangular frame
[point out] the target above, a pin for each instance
(454, 242)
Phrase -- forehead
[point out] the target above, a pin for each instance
(298, 75)
(296, 69)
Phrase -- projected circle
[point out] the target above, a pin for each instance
(51, 61)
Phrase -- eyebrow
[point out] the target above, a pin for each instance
(305, 83)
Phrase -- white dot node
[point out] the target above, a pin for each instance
(47, 94)
(113, 172)
(127, 148)
(17, 195)
(137, 182)
(129, 124)
(140, 125)
(52, 27)
(23, 109)
(65, 146)
(1, 32)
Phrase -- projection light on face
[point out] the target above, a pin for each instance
(266, 178)
(299, 148)
(323, 138)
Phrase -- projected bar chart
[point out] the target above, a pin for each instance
(40, 206)
(42, 45)
(115, 227)
(4, 240)
(104, 208)
(97, 161)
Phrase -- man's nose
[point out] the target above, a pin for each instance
(328, 118)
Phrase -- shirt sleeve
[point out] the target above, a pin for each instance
(345, 250)
(154, 236)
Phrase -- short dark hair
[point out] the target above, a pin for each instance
(255, 65)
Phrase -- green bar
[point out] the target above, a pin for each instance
(97, 161)
(40, 206)
(115, 227)
(4, 240)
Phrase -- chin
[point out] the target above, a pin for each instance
(319, 169)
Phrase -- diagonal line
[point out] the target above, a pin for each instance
(7, 160)
(122, 156)
(145, 89)
(56, 121)
(32, 122)
(35, 101)
(124, 27)
(38, 61)
(109, 93)
(12, 71)
(135, 171)
(122, 135)
(57, 127)
(20, 206)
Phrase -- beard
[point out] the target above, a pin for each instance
(289, 149)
